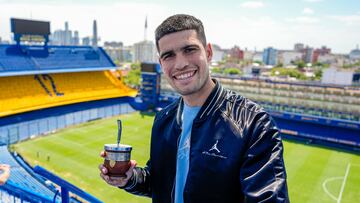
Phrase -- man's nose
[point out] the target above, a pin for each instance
(181, 62)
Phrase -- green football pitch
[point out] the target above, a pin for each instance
(315, 174)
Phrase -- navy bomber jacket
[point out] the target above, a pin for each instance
(236, 154)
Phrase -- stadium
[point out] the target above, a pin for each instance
(60, 104)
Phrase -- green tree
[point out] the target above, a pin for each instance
(133, 77)
(258, 62)
(300, 64)
(295, 73)
(279, 65)
(232, 71)
(216, 70)
(318, 74)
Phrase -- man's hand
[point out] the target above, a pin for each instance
(116, 181)
(5, 173)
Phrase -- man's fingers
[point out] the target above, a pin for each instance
(117, 181)
(104, 177)
(114, 181)
(133, 163)
(103, 169)
(103, 154)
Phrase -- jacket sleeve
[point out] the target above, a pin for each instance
(139, 183)
(262, 174)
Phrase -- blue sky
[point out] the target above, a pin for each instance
(247, 23)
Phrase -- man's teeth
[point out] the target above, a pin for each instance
(185, 75)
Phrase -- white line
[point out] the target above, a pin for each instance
(344, 182)
(325, 187)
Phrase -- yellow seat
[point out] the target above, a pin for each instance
(26, 93)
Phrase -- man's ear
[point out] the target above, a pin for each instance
(209, 52)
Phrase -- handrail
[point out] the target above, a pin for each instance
(24, 193)
(66, 187)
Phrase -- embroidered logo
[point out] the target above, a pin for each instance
(214, 151)
(214, 147)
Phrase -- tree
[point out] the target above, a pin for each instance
(232, 71)
(279, 65)
(133, 77)
(318, 74)
(300, 64)
(216, 70)
(258, 62)
(288, 72)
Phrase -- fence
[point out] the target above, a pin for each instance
(23, 130)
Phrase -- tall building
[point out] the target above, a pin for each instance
(299, 47)
(64, 37)
(320, 52)
(145, 51)
(95, 35)
(355, 54)
(75, 40)
(86, 41)
(145, 31)
(218, 53)
(236, 54)
(68, 34)
(308, 54)
(118, 52)
(288, 57)
(270, 56)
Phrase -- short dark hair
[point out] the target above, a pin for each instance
(180, 22)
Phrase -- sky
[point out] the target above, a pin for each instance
(251, 24)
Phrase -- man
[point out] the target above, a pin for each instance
(211, 145)
(4, 173)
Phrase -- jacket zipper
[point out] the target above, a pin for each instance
(173, 187)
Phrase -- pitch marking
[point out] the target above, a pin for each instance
(337, 199)
(344, 182)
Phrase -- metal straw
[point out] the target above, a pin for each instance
(119, 132)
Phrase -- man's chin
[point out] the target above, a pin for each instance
(185, 92)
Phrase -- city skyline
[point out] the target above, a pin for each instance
(248, 24)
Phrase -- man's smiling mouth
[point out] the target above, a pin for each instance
(184, 76)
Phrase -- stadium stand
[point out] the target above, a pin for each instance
(25, 93)
(46, 88)
(21, 178)
(21, 60)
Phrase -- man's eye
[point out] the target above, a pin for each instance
(167, 56)
(189, 50)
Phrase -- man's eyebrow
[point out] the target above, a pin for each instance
(190, 46)
(182, 48)
(165, 53)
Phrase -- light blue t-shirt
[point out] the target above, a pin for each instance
(183, 153)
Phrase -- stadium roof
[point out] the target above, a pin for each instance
(26, 60)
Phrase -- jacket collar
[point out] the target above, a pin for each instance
(211, 103)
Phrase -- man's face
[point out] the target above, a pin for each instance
(185, 61)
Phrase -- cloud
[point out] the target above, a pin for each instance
(347, 19)
(308, 11)
(313, 1)
(116, 22)
(303, 20)
(252, 4)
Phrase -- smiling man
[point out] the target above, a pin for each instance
(211, 145)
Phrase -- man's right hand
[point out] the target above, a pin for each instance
(5, 173)
(116, 181)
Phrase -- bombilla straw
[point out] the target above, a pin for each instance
(119, 132)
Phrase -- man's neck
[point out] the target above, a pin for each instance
(199, 98)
